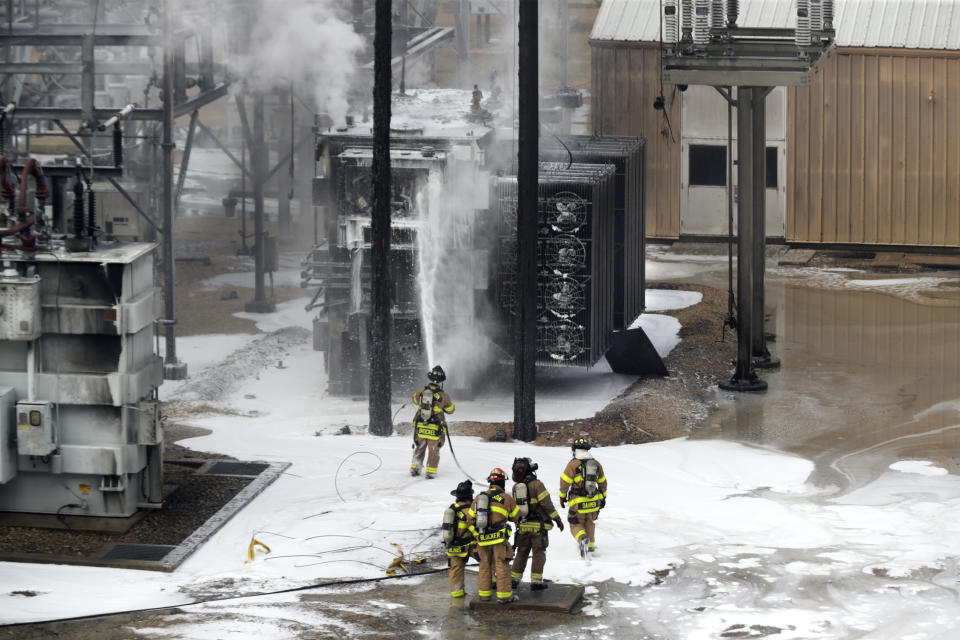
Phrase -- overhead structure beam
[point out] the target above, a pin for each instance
(65, 35)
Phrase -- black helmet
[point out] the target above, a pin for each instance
(523, 467)
(436, 374)
(580, 443)
(464, 491)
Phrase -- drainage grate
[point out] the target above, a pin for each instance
(237, 468)
(148, 552)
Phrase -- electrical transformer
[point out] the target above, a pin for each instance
(79, 423)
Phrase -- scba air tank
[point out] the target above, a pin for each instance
(483, 512)
(523, 501)
(449, 525)
(590, 484)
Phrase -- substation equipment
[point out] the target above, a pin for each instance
(703, 44)
(80, 431)
(590, 251)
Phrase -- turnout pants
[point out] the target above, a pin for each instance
(457, 563)
(582, 524)
(432, 450)
(528, 543)
(494, 559)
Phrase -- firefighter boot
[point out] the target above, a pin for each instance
(584, 543)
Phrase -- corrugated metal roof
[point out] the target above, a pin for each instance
(911, 24)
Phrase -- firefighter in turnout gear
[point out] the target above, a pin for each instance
(537, 512)
(457, 536)
(430, 423)
(583, 488)
(490, 514)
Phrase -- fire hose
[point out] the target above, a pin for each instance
(453, 453)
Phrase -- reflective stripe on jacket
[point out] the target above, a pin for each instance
(463, 536)
(572, 485)
(541, 511)
(503, 508)
(429, 430)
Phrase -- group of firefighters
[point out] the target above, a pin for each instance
(478, 526)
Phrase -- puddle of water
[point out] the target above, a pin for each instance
(865, 379)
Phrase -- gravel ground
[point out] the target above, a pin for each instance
(194, 499)
(653, 408)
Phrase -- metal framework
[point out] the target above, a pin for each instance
(704, 45)
(68, 50)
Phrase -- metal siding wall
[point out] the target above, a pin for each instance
(625, 80)
(872, 159)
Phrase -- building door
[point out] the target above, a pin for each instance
(703, 206)
(704, 167)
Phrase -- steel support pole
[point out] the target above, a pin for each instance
(381, 422)
(88, 82)
(525, 321)
(173, 369)
(462, 26)
(563, 11)
(761, 355)
(258, 160)
(284, 178)
(744, 378)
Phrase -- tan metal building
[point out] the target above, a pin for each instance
(870, 151)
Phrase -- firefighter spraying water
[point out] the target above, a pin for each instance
(430, 423)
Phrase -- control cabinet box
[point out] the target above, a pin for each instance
(19, 308)
(35, 428)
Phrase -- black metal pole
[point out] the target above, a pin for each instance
(744, 378)
(173, 369)
(525, 329)
(381, 422)
(761, 355)
(258, 162)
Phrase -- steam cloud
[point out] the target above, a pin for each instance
(306, 42)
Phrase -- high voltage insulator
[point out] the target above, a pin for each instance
(803, 23)
(733, 12)
(701, 23)
(828, 15)
(686, 20)
(670, 21)
(716, 18)
(816, 19)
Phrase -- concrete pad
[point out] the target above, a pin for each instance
(936, 261)
(888, 259)
(149, 557)
(796, 257)
(74, 523)
(558, 598)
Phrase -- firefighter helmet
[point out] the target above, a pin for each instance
(497, 476)
(436, 374)
(464, 491)
(580, 443)
(522, 467)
